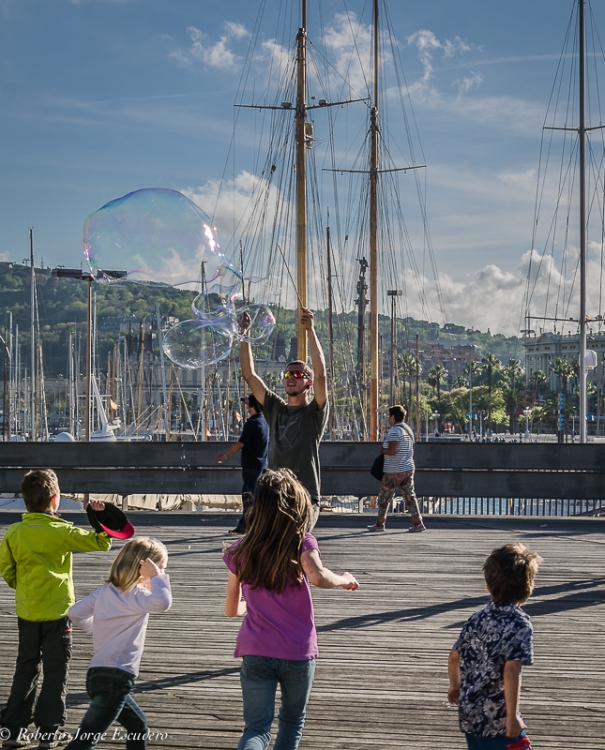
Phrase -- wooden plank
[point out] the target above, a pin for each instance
(381, 676)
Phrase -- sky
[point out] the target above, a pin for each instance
(102, 97)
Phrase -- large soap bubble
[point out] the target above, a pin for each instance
(194, 343)
(215, 308)
(262, 323)
(157, 236)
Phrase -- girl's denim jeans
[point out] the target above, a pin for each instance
(110, 690)
(259, 677)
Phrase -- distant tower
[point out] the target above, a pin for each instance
(362, 303)
(293, 349)
(280, 347)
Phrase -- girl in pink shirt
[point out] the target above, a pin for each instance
(271, 567)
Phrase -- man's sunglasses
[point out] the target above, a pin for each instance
(297, 374)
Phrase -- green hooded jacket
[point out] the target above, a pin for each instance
(36, 561)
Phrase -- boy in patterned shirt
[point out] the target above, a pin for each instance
(486, 662)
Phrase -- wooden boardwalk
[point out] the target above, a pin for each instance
(381, 678)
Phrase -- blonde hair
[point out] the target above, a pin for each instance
(126, 568)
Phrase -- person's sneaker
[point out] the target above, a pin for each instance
(57, 739)
(236, 532)
(377, 527)
(417, 527)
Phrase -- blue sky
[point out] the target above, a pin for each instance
(102, 97)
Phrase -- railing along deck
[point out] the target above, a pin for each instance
(484, 470)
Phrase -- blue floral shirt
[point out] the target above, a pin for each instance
(494, 635)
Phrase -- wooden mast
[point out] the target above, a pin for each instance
(332, 386)
(32, 341)
(374, 242)
(301, 177)
(582, 134)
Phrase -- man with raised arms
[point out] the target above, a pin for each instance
(297, 424)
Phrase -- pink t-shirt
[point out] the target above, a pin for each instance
(280, 626)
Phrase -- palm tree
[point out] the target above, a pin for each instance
(563, 370)
(491, 364)
(407, 367)
(436, 375)
(272, 380)
(513, 373)
(537, 379)
(470, 370)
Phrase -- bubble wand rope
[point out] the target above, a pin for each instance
(290, 275)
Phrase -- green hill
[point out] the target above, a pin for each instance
(62, 310)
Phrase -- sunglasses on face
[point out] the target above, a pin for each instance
(297, 374)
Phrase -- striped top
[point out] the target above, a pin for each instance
(403, 460)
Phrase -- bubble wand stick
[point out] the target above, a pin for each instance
(290, 275)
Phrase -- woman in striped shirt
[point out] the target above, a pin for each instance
(398, 452)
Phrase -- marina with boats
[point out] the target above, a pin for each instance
(287, 254)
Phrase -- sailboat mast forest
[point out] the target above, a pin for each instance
(572, 197)
(314, 146)
(284, 216)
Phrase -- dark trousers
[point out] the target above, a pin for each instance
(249, 479)
(110, 690)
(46, 644)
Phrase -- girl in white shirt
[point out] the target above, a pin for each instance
(117, 614)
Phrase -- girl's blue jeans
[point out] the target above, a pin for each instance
(110, 690)
(259, 677)
(499, 742)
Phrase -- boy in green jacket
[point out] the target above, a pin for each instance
(36, 561)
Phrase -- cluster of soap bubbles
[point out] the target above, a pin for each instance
(159, 237)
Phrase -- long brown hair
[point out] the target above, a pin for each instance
(268, 556)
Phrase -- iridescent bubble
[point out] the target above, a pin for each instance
(262, 323)
(212, 306)
(156, 236)
(194, 343)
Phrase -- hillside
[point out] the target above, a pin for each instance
(62, 310)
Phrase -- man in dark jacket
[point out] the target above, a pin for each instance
(253, 444)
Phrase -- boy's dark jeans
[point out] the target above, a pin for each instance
(46, 643)
(111, 700)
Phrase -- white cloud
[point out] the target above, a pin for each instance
(213, 54)
(275, 59)
(472, 81)
(231, 204)
(427, 45)
(350, 41)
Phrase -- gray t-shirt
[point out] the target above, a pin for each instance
(294, 436)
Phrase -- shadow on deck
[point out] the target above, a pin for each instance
(381, 678)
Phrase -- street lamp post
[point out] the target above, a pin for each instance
(7, 407)
(436, 417)
(393, 294)
(591, 361)
(527, 414)
(78, 273)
